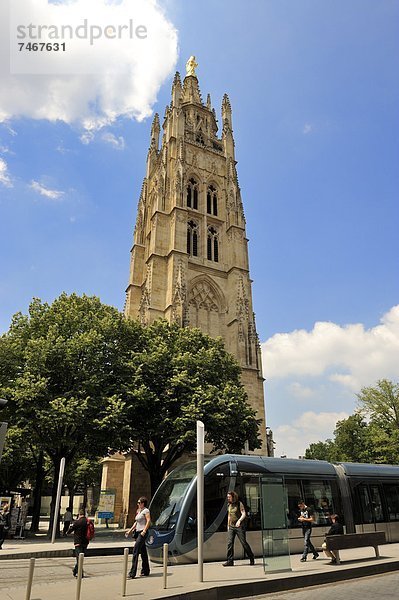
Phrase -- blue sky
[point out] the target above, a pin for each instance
(314, 91)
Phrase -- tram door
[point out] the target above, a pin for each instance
(371, 506)
(276, 553)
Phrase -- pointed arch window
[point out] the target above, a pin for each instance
(212, 201)
(212, 245)
(192, 238)
(192, 194)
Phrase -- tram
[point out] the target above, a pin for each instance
(365, 496)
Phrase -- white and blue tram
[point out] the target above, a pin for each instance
(366, 496)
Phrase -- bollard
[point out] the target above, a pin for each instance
(124, 574)
(30, 578)
(80, 575)
(165, 565)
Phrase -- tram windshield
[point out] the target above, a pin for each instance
(166, 504)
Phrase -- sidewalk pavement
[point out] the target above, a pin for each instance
(219, 583)
(107, 542)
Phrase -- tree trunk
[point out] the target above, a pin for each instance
(71, 490)
(37, 493)
(84, 497)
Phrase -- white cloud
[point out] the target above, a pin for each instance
(125, 74)
(307, 128)
(321, 371)
(349, 355)
(301, 391)
(45, 191)
(118, 143)
(292, 439)
(5, 178)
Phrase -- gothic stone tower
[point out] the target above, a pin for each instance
(189, 261)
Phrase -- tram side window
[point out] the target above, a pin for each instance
(365, 515)
(215, 513)
(392, 498)
(251, 501)
(319, 495)
(294, 493)
(376, 503)
(369, 499)
(216, 488)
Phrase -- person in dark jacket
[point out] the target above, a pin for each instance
(306, 519)
(5, 523)
(79, 530)
(335, 529)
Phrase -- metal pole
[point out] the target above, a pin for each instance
(200, 498)
(80, 575)
(165, 566)
(30, 578)
(124, 570)
(57, 502)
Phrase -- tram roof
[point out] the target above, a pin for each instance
(266, 464)
(365, 470)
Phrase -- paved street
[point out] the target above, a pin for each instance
(53, 577)
(13, 572)
(380, 587)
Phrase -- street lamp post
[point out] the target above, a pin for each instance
(3, 428)
(200, 498)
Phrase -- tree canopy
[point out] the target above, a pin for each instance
(81, 380)
(181, 376)
(65, 371)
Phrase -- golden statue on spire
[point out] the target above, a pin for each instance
(191, 65)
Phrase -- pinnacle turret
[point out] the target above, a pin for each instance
(155, 130)
(176, 79)
(176, 90)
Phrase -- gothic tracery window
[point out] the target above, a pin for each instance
(212, 245)
(212, 201)
(192, 194)
(192, 238)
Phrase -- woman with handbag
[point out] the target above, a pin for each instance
(139, 529)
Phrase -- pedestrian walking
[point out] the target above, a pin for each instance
(306, 518)
(5, 523)
(80, 541)
(236, 516)
(139, 529)
(67, 518)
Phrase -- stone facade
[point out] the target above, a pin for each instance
(189, 261)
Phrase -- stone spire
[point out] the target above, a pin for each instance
(176, 90)
(155, 129)
(227, 134)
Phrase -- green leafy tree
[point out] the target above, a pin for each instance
(181, 376)
(380, 404)
(82, 473)
(17, 462)
(352, 440)
(67, 375)
(321, 451)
